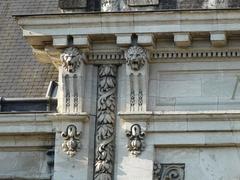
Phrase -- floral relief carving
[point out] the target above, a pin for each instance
(106, 107)
(71, 59)
(136, 57)
(168, 171)
(136, 139)
(71, 140)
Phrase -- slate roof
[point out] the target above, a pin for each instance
(20, 73)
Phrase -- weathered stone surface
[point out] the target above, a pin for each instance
(72, 4)
(142, 2)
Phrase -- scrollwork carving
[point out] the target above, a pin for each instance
(71, 59)
(136, 139)
(106, 107)
(136, 57)
(71, 140)
(168, 171)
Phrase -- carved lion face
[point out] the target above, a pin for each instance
(71, 58)
(136, 57)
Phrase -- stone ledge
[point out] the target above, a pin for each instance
(84, 116)
(233, 115)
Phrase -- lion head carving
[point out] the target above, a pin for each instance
(71, 59)
(136, 57)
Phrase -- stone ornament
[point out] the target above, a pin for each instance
(106, 107)
(136, 57)
(71, 140)
(109, 5)
(136, 139)
(71, 59)
(143, 2)
(168, 171)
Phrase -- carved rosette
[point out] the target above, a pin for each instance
(136, 139)
(106, 107)
(71, 140)
(136, 57)
(71, 59)
(168, 171)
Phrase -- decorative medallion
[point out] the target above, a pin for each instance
(136, 57)
(71, 59)
(168, 171)
(136, 139)
(106, 107)
(71, 140)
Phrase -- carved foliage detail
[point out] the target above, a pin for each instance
(71, 140)
(106, 107)
(71, 59)
(136, 139)
(136, 57)
(168, 171)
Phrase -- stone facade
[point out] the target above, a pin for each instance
(150, 95)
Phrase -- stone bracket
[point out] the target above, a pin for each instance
(182, 39)
(218, 39)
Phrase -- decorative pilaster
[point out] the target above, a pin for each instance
(71, 81)
(137, 81)
(106, 107)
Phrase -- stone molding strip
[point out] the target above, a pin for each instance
(118, 57)
(195, 54)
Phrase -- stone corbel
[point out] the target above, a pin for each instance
(182, 40)
(218, 39)
(137, 78)
(71, 81)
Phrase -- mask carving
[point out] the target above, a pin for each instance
(136, 57)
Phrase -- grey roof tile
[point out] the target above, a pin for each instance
(20, 73)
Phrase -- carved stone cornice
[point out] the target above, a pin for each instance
(56, 28)
(51, 55)
(130, 22)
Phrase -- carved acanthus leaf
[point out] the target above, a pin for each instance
(106, 107)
